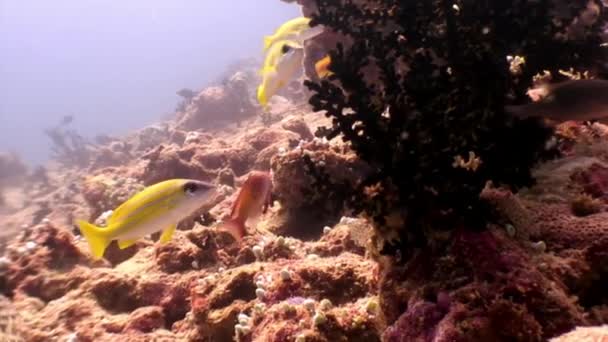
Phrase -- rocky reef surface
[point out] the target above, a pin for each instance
(539, 274)
(311, 280)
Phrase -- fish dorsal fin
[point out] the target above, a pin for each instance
(145, 198)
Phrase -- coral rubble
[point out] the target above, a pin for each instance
(195, 286)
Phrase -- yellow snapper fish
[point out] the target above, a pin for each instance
(158, 207)
(296, 29)
(276, 51)
(276, 78)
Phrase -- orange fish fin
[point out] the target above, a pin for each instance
(234, 227)
(235, 203)
(267, 202)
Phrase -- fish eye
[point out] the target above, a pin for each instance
(190, 188)
(286, 48)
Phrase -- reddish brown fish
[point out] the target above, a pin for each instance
(579, 100)
(252, 201)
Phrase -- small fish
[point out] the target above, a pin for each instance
(276, 78)
(158, 207)
(66, 120)
(252, 201)
(322, 67)
(290, 28)
(276, 52)
(577, 100)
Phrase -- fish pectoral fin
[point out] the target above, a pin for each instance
(122, 244)
(167, 234)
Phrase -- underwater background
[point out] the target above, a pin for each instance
(334, 170)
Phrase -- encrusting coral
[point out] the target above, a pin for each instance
(419, 91)
(427, 83)
(224, 103)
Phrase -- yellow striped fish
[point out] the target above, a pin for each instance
(276, 52)
(280, 75)
(297, 29)
(158, 207)
(291, 27)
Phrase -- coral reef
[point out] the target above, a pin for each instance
(12, 173)
(411, 127)
(192, 288)
(418, 91)
(187, 95)
(303, 202)
(229, 102)
(12, 169)
(68, 146)
(148, 291)
(591, 334)
(319, 276)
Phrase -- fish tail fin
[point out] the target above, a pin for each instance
(267, 42)
(95, 237)
(234, 227)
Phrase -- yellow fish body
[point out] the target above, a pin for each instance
(277, 77)
(158, 207)
(291, 27)
(276, 51)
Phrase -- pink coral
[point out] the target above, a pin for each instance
(552, 223)
(495, 281)
(293, 183)
(594, 180)
(166, 162)
(146, 319)
(299, 126)
(212, 105)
